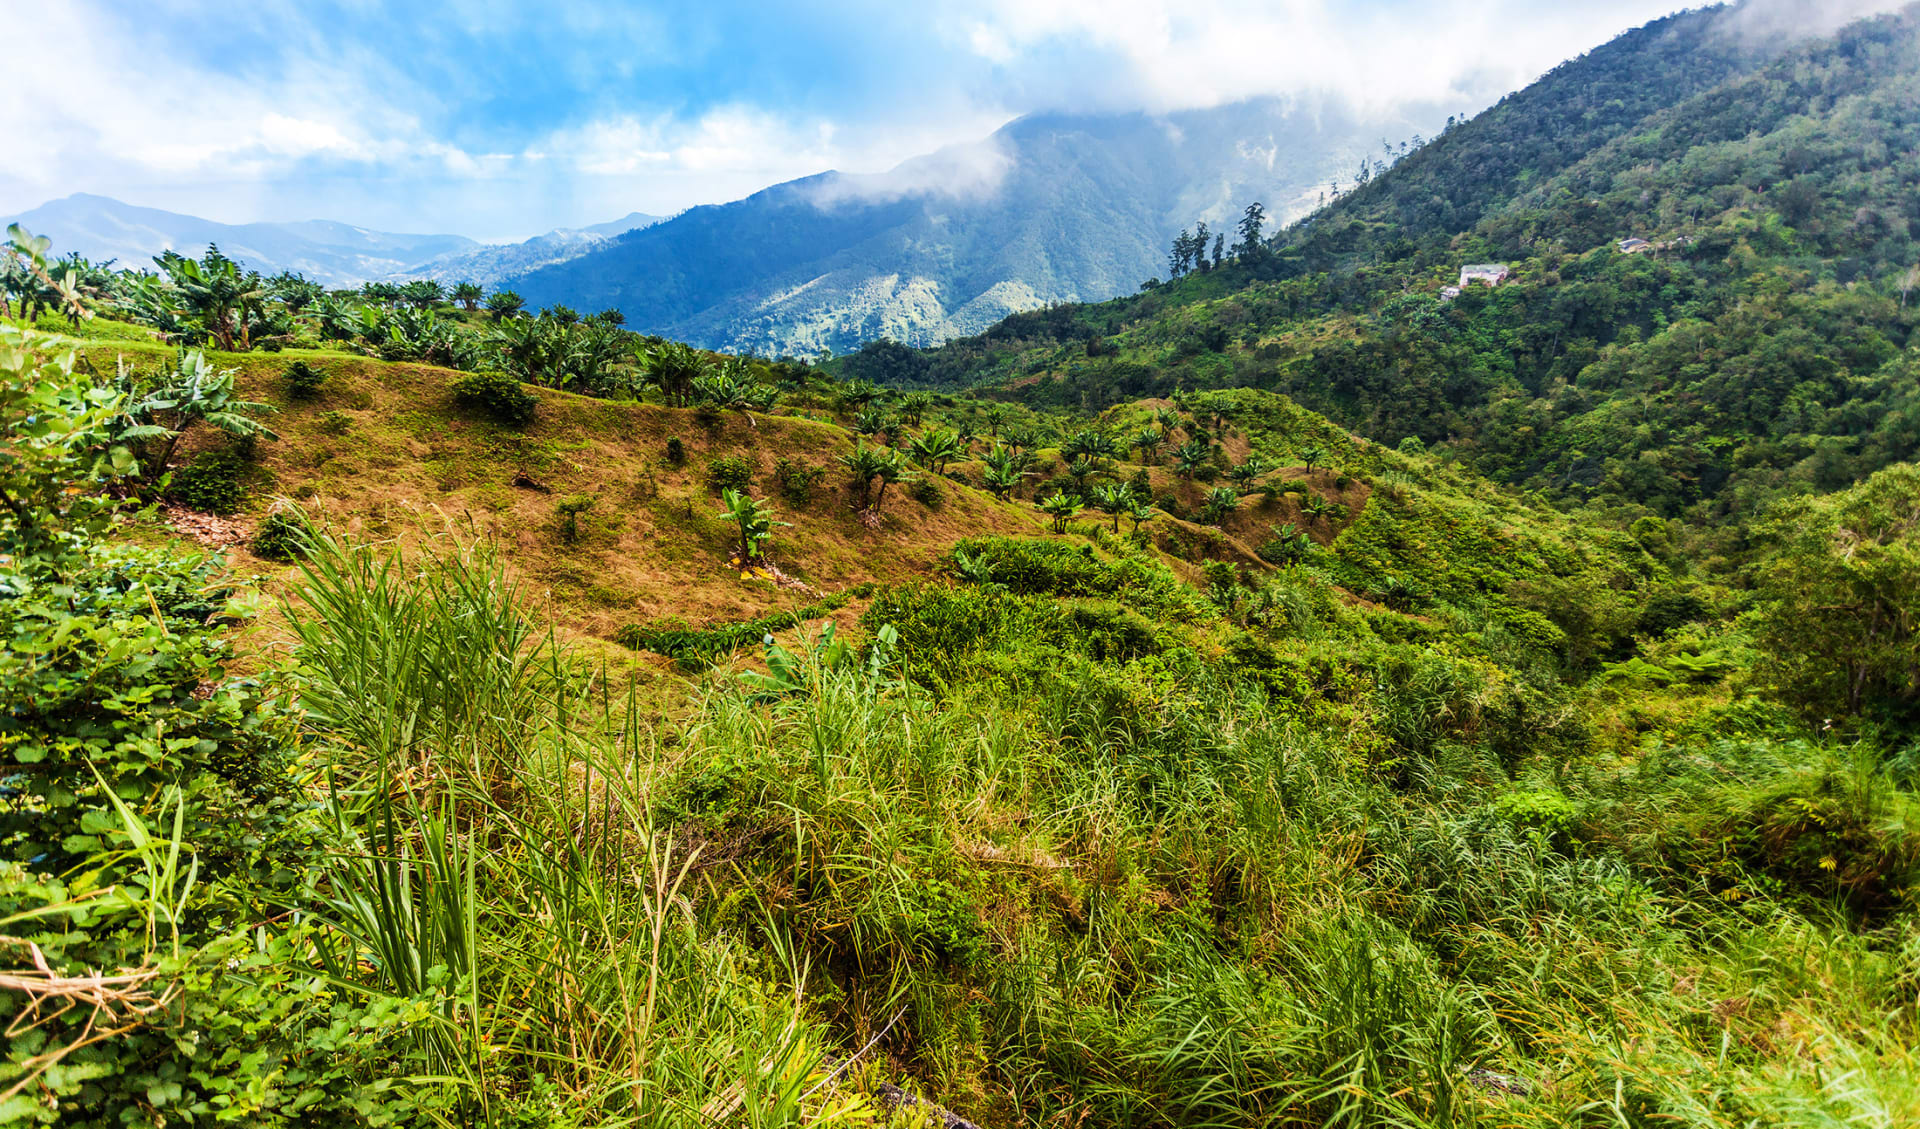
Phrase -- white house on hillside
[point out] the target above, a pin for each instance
(1493, 274)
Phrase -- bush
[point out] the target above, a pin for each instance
(729, 472)
(797, 480)
(283, 536)
(336, 423)
(927, 492)
(499, 396)
(304, 381)
(676, 451)
(211, 483)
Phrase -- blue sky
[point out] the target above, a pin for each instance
(501, 119)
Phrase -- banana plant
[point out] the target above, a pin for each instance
(1060, 507)
(1113, 499)
(754, 519)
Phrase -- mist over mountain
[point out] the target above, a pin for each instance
(492, 264)
(1052, 207)
(335, 254)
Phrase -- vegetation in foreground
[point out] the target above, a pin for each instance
(1062, 839)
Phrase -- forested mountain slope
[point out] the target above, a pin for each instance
(1051, 208)
(1761, 342)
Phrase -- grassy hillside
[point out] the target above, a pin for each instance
(1460, 812)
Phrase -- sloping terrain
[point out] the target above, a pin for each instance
(1051, 208)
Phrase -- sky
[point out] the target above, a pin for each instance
(500, 119)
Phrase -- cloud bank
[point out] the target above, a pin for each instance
(503, 118)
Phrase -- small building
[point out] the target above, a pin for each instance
(1493, 274)
(1449, 293)
(1635, 247)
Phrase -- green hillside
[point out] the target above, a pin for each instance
(1289, 696)
(1762, 346)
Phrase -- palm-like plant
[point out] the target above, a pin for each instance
(672, 367)
(1080, 470)
(1148, 442)
(733, 387)
(935, 448)
(1221, 501)
(1060, 507)
(857, 394)
(1140, 514)
(218, 292)
(866, 465)
(1321, 509)
(1312, 455)
(505, 304)
(1001, 480)
(1169, 420)
(914, 405)
(872, 421)
(1089, 444)
(1113, 499)
(1245, 474)
(1190, 456)
(422, 293)
(468, 295)
(995, 417)
(753, 519)
(192, 393)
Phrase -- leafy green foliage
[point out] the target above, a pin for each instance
(502, 398)
(729, 472)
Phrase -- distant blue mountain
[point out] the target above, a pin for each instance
(336, 254)
(1052, 207)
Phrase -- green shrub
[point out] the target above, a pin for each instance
(570, 508)
(797, 480)
(212, 483)
(676, 451)
(304, 381)
(500, 397)
(927, 492)
(729, 472)
(336, 423)
(283, 536)
(696, 648)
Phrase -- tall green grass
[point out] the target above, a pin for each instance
(1132, 891)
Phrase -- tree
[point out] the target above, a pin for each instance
(1311, 456)
(1139, 514)
(733, 388)
(1060, 507)
(1190, 456)
(1838, 630)
(914, 405)
(1080, 470)
(1113, 499)
(1245, 474)
(1001, 480)
(672, 367)
(1148, 442)
(1251, 223)
(857, 394)
(1221, 501)
(422, 293)
(191, 393)
(753, 519)
(217, 291)
(504, 304)
(1169, 421)
(468, 295)
(60, 446)
(867, 465)
(935, 448)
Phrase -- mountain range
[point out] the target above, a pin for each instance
(1051, 208)
(334, 254)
